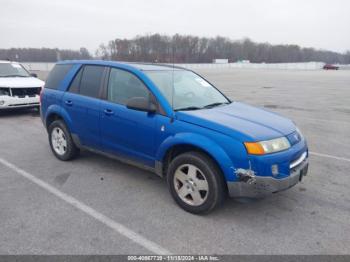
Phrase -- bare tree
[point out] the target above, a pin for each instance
(43, 54)
(192, 49)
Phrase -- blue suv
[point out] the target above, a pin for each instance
(173, 122)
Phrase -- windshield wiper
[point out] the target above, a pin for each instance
(197, 108)
(215, 104)
(188, 108)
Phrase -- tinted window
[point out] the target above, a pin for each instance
(91, 79)
(74, 86)
(56, 75)
(123, 85)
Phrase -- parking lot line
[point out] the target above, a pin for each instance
(330, 156)
(119, 228)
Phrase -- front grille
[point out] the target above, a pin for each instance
(23, 92)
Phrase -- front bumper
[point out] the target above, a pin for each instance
(7, 102)
(261, 186)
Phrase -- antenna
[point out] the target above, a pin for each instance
(172, 75)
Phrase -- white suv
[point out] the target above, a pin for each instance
(18, 88)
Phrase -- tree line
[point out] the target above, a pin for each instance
(181, 49)
(43, 54)
(193, 49)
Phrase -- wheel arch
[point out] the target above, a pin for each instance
(55, 113)
(187, 142)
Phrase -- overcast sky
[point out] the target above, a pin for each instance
(323, 24)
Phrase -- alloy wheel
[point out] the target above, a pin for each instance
(59, 141)
(191, 185)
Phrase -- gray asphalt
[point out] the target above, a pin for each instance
(311, 218)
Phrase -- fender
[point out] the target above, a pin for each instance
(205, 144)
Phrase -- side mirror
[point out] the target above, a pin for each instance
(34, 75)
(141, 104)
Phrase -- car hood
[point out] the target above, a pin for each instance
(240, 121)
(18, 82)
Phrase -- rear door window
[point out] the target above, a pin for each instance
(88, 81)
(91, 80)
(56, 75)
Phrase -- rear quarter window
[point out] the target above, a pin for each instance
(75, 85)
(56, 75)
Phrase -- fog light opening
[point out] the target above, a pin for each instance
(274, 170)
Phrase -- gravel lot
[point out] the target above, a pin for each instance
(311, 218)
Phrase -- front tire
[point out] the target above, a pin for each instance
(61, 141)
(195, 182)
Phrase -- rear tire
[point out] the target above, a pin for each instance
(195, 182)
(61, 141)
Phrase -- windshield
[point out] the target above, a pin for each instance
(190, 92)
(12, 70)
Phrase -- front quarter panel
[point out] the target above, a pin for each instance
(228, 153)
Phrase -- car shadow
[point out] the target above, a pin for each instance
(260, 213)
(124, 169)
(8, 113)
(278, 206)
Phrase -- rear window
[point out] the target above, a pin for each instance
(56, 75)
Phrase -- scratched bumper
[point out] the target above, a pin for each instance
(264, 186)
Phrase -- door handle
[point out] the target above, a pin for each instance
(68, 102)
(108, 112)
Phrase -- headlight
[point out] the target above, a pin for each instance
(267, 147)
(4, 91)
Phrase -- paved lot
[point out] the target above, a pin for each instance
(311, 218)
